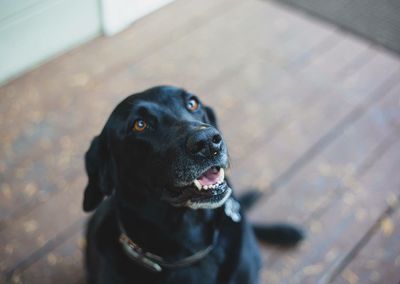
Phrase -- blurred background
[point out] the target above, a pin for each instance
(307, 95)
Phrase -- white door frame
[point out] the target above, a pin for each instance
(118, 14)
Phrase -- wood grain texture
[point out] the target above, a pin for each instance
(310, 114)
(336, 231)
(379, 260)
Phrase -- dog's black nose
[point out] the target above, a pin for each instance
(206, 142)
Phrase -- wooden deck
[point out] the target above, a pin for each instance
(311, 115)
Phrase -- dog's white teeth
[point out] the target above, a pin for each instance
(211, 186)
(222, 175)
(197, 184)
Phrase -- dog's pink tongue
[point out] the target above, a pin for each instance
(209, 177)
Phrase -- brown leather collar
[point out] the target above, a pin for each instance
(154, 262)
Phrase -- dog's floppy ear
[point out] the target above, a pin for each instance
(211, 117)
(98, 168)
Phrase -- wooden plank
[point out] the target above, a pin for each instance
(62, 265)
(337, 167)
(222, 41)
(46, 165)
(317, 127)
(269, 96)
(379, 260)
(335, 60)
(45, 223)
(335, 232)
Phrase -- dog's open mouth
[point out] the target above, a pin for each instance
(210, 179)
(207, 191)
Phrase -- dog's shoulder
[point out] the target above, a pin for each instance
(100, 217)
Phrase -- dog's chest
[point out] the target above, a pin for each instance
(205, 271)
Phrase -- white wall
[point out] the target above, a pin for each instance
(118, 14)
(34, 31)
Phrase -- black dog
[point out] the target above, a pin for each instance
(169, 215)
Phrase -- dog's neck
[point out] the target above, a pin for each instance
(165, 230)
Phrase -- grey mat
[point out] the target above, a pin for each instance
(375, 20)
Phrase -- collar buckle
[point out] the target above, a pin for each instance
(134, 252)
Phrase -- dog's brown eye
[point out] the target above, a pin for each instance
(139, 125)
(193, 104)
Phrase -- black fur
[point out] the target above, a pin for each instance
(144, 180)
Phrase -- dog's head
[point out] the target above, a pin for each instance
(160, 144)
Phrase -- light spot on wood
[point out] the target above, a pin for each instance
(331, 255)
(269, 277)
(52, 259)
(392, 200)
(44, 143)
(30, 189)
(6, 191)
(387, 226)
(36, 116)
(80, 80)
(30, 226)
(375, 276)
(361, 214)
(41, 240)
(9, 249)
(16, 278)
(313, 269)
(349, 170)
(2, 167)
(286, 272)
(350, 276)
(20, 173)
(82, 242)
(348, 198)
(325, 169)
(315, 227)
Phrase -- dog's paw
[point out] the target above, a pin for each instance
(249, 198)
(279, 234)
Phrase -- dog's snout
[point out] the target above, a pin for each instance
(205, 143)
